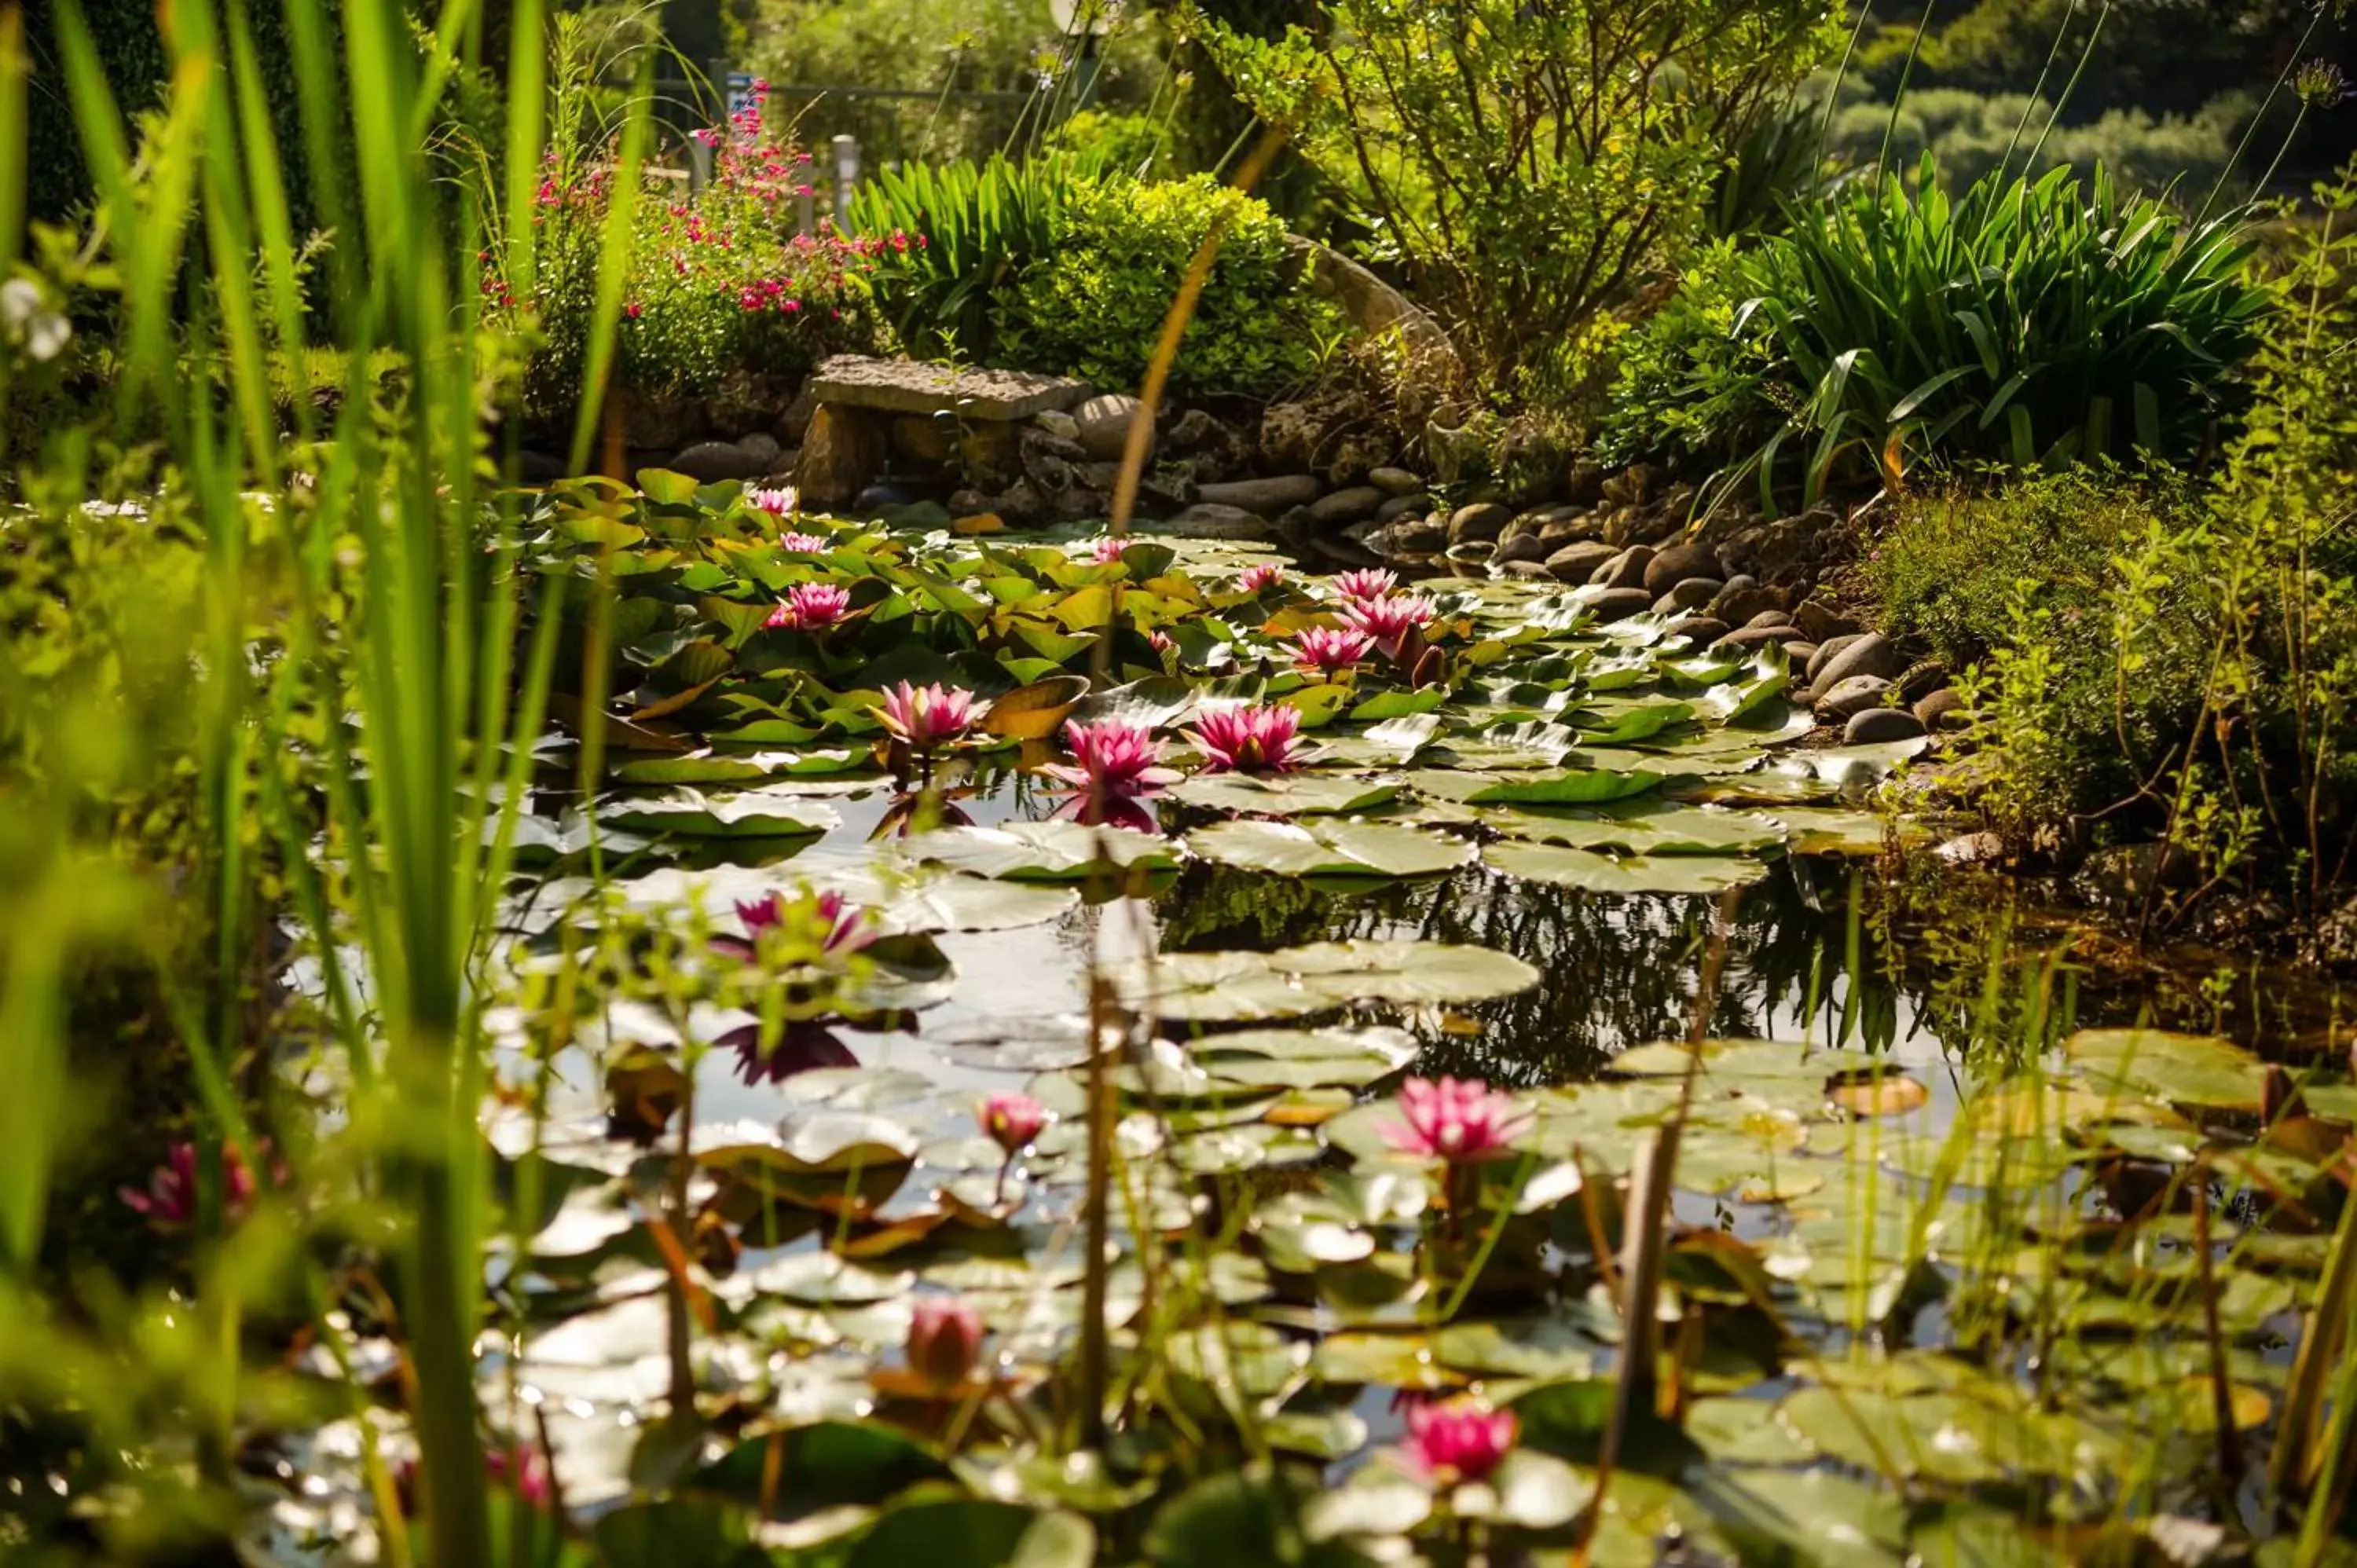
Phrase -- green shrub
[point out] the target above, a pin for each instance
(1688, 384)
(1970, 135)
(975, 226)
(1093, 304)
(1526, 164)
(2023, 323)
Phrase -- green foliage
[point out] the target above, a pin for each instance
(1689, 386)
(1093, 306)
(1969, 135)
(2020, 323)
(975, 226)
(1526, 164)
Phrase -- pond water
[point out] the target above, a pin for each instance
(1964, 1253)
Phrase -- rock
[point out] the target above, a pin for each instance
(1584, 485)
(1626, 570)
(1619, 603)
(1416, 505)
(1577, 562)
(1973, 849)
(1395, 481)
(1463, 452)
(1410, 536)
(1055, 421)
(842, 451)
(1289, 433)
(1740, 607)
(1567, 525)
(1347, 459)
(1197, 433)
(1870, 654)
(1482, 520)
(1210, 520)
(1876, 726)
(539, 467)
(1163, 492)
(1269, 497)
(762, 448)
(1769, 617)
(708, 462)
(1700, 631)
(1676, 564)
(1751, 638)
(908, 386)
(1519, 548)
(1532, 569)
(1943, 709)
(1691, 595)
(1923, 676)
(1838, 699)
(1104, 420)
(1020, 503)
(1826, 649)
(1799, 652)
(1822, 621)
(793, 425)
(968, 502)
(1345, 506)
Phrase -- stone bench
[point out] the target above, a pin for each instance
(870, 410)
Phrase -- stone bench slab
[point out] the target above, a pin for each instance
(905, 386)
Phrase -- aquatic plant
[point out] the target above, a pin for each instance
(1248, 740)
(1012, 1121)
(1394, 624)
(783, 501)
(1113, 765)
(809, 606)
(1260, 576)
(1460, 1121)
(1454, 1441)
(820, 924)
(924, 717)
(944, 1341)
(170, 1197)
(1367, 582)
(1329, 651)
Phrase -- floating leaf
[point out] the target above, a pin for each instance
(1329, 849)
(1283, 794)
(1598, 873)
(1042, 852)
(1290, 982)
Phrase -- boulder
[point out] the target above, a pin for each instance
(1482, 520)
(1055, 421)
(1269, 497)
(1870, 654)
(1770, 617)
(708, 462)
(1210, 520)
(1700, 631)
(761, 447)
(1410, 536)
(1619, 603)
(1875, 726)
(1345, 506)
(1943, 709)
(1289, 433)
(1838, 701)
(1751, 638)
(1395, 481)
(1691, 595)
(1577, 562)
(1826, 649)
(1533, 570)
(1104, 420)
(1626, 570)
(1679, 562)
(1740, 607)
(883, 495)
(1520, 547)
(841, 453)
(1584, 485)
(1822, 621)
(1416, 504)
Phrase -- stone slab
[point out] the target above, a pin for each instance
(906, 386)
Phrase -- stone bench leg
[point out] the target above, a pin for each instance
(843, 453)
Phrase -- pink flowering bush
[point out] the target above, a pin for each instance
(720, 285)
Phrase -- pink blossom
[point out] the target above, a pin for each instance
(810, 606)
(1113, 760)
(1327, 651)
(1456, 1120)
(1390, 623)
(524, 1469)
(1358, 586)
(170, 1198)
(634, 310)
(927, 716)
(1012, 1121)
(1459, 1440)
(1268, 575)
(802, 543)
(944, 1341)
(1248, 740)
(1106, 550)
(825, 920)
(1161, 641)
(783, 501)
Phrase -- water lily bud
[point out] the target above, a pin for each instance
(944, 1340)
(1012, 1121)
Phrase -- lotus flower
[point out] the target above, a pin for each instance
(1012, 1121)
(1248, 740)
(1268, 575)
(927, 716)
(1358, 587)
(1327, 651)
(171, 1194)
(1457, 1120)
(810, 606)
(1106, 550)
(783, 501)
(1392, 622)
(944, 1341)
(833, 924)
(803, 544)
(1459, 1440)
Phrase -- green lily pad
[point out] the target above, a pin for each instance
(1329, 849)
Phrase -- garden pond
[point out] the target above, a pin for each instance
(1966, 1262)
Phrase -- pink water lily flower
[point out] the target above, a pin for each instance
(1268, 575)
(1106, 550)
(1459, 1440)
(782, 501)
(1112, 758)
(944, 1341)
(1459, 1120)
(1357, 588)
(1391, 623)
(1012, 1121)
(1329, 650)
(810, 606)
(1248, 740)
(833, 924)
(170, 1197)
(803, 544)
(927, 716)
